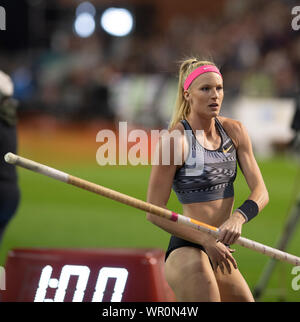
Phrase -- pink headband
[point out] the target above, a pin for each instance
(197, 72)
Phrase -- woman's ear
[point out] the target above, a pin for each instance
(186, 95)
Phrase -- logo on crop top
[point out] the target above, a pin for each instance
(228, 149)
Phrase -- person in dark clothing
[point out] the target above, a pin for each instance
(9, 188)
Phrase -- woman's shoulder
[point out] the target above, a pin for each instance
(175, 134)
(229, 122)
(171, 143)
(230, 125)
(233, 128)
(177, 127)
(177, 131)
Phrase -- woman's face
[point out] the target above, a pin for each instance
(205, 95)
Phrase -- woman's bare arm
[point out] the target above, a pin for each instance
(231, 229)
(250, 169)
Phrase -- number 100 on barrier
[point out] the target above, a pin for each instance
(83, 273)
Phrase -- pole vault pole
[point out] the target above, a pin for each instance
(145, 206)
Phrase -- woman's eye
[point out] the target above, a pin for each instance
(219, 88)
(205, 88)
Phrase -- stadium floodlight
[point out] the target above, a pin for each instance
(117, 21)
(84, 25)
(86, 7)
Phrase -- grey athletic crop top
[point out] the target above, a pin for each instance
(206, 174)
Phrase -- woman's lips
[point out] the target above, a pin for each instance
(214, 106)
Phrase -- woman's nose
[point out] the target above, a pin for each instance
(215, 93)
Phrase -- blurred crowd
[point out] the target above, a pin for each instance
(251, 41)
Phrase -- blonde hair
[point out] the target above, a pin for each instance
(182, 108)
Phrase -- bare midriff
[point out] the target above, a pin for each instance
(213, 213)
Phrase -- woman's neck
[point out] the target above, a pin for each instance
(199, 123)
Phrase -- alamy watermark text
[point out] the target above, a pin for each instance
(296, 19)
(2, 18)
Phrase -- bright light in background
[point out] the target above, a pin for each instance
(117, 21)
(84, 25)
(86, 7)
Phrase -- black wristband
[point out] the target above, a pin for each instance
(249, 209)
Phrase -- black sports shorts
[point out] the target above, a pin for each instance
(176, 242)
